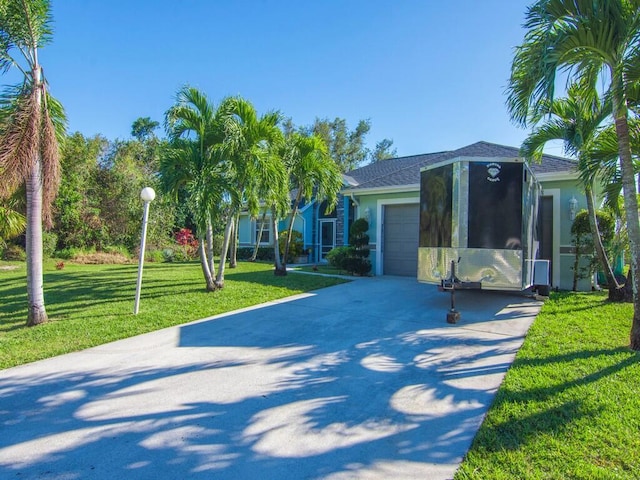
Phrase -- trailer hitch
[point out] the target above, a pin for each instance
(452, 284)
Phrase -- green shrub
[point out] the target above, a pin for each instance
(49, 242)
(265, 253)
(296, 245)
(121, 249)
(358, 261)
(337, 257)
(14, 253)
(155, 256)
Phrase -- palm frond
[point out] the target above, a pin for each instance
(18, 150)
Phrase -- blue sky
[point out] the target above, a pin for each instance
(428, 74)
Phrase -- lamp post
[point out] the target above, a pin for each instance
(147, 195)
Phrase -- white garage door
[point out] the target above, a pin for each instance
(400, 250)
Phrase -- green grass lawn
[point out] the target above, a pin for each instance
(570, 404)
(93, 304)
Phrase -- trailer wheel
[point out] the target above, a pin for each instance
(544, 290)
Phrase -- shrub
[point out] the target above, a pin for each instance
(49, 242)
(14, 253)
(187, 241)
(265, 253)
(338, 256)
(155, 256)
(296, 245)
(119, 249)
(358, 261)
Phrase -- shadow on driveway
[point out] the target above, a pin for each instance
(360, 380)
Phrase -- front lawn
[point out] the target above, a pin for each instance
(93, 304)
(569, 406)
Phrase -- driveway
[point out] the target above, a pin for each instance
(362, 380)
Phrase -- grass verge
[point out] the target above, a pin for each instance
(569, 406)
(90, 305)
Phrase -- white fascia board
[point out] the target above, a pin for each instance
(415, 187)
(557, 176)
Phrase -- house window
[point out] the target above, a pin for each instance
(265, 237)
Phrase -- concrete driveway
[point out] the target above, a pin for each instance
(362, 380)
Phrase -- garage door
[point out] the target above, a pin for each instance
(400, 250)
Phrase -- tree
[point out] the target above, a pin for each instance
(255, 170)
(383, 151)
(143, 128)
(575, 121)
(313, 175)
(193, 163)
(31, 124)
(585, 39)
(345, 147)
(12, 222)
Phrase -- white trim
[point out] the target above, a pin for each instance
(554, 193)
(335, 235)
(557, 176)
(379, 224)
(414, 187)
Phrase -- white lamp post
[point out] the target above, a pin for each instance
(147, 195)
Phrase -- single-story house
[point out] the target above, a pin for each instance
(387, 194)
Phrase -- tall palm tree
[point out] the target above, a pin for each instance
(313, 174)
(255, 170)
(585, 39)
(575, 120)
(194, 127)
(28, 132)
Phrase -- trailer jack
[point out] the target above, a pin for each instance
(452, 284)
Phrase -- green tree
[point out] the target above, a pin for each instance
(313, 175)
(575, 121)
(193, 165)
(143, 128)
(383, 151)
(586, 39)
(28, 135)
(255, 170)
(346, 147)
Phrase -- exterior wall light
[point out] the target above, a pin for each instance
(573, 207)
(367, 214)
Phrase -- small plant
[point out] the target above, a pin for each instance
(59, 265)
(13, 253)
(187, 241)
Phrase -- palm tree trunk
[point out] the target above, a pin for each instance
(281, 270)
(631, 207)
(597, 242)
(204, 263)
(223, 253)
(254, 255)
(210, 259)
(233, 254)
(37, 313)
(294, 211)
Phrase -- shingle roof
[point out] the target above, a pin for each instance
(402, 171)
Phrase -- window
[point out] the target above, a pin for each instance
(266, 230)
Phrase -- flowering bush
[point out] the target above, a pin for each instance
(184, 237)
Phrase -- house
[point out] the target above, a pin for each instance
(387, 194)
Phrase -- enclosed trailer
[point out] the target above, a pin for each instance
(478, 225)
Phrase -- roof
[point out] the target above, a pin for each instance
(405, 171)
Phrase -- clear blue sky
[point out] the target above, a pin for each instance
(428, 74)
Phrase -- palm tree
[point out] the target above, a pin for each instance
(194, 127)
(255, 170)
(575, 121)
(31, 122)
(313, 174)
(586, 39)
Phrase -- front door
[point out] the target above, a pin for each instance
(327, 237)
